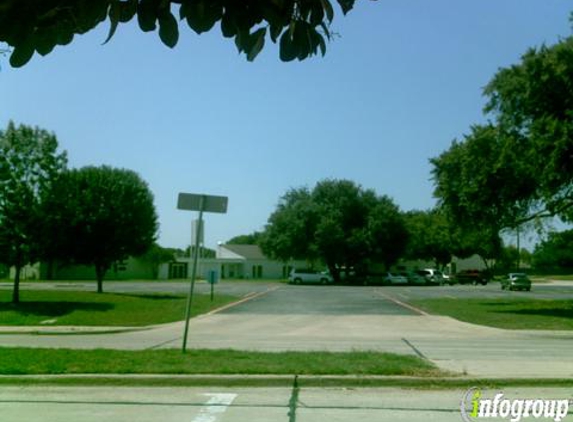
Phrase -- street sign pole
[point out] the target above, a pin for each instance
(193, 273)
(201, 203)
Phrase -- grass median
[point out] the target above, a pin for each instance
(31, 361)
(518, 314)
(52, 308)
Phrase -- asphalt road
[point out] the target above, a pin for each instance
(121, 404)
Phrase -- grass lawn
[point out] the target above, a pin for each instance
(39, 307)
(505, 313)
(67, 361)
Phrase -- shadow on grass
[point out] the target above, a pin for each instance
(151, 296)
(54, 309)
(555, 313)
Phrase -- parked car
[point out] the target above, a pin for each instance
(308, 276)
(432, 276)
(395, 278)
(474, 277)
(385, 278)
(413, 277)
(516, 281)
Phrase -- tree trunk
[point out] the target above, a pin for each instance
(100, 274)
(16, 291)
(334, 272)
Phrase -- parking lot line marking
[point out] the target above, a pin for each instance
(215, 406)
(404, 305)
(250, 296)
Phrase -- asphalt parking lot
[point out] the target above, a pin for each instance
(321, 300)
(490, 291)
(310, 298)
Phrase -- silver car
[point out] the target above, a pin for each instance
(394, 278)
(516, 281)
(307, 276)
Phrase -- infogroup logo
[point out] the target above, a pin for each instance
(476, 406)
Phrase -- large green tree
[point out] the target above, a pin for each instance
(300, 27)
(430, 236)
(481, 182)
(555, 252)
(533, 102)
(337, 223)
(29, 162)
(157, 255)
(99, 215)
(518, 168)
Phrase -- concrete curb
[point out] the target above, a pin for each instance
(279, 380)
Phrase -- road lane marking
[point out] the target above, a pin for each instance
(215, 406)
(404, 305)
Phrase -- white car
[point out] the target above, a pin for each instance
(303, 276)
(432, 276)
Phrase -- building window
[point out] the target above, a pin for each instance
(177, 270)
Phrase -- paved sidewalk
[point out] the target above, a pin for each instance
(452, 345)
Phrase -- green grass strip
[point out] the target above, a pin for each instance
(17, 361)
(533, 314)
(51, 308)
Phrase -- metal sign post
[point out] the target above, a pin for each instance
(201, 203)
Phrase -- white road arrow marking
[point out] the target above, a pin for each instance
(215, 406)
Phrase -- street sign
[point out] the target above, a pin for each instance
(211, 203)
(201, 203)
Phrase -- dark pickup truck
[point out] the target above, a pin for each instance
(474, 277)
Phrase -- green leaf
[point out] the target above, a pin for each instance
(127, 9)
(243, 41)
(346, 5)
(301, 38)
(228, 27)
(259, 42)
(203, 14)
(275, 31)
(328, 10)
(288, 49)
(147, 15)
(322, 44)
(114, 14)
(317, 14)
(45, 40)
(168, 29)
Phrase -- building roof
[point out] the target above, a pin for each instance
(246, 251)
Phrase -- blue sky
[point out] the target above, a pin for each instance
(400, 83)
